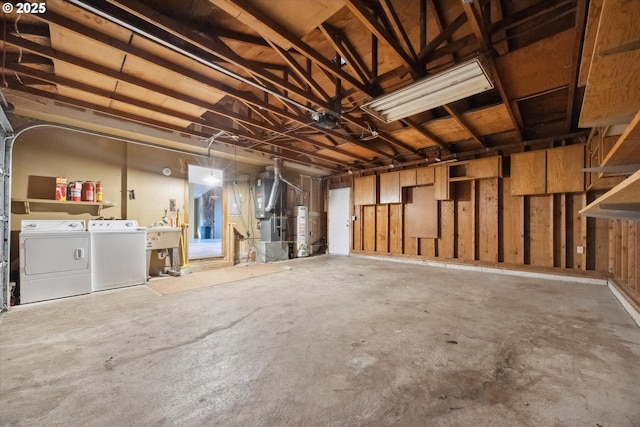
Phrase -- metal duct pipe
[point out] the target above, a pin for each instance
(277, 177)
(277, 165)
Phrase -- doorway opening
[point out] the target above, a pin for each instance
(205, 212)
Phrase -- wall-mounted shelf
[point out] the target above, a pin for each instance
(26, 206)
(621, 202)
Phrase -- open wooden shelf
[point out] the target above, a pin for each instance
(26, 206)
(621, 202)
(627, 147)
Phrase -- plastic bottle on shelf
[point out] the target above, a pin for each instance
(99, 192)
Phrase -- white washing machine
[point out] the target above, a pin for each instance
(118, 254)
(55, 259)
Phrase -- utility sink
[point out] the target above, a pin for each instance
(163, 237)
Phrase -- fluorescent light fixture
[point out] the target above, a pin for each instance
(458, 82)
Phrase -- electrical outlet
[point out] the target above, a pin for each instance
(580, 249)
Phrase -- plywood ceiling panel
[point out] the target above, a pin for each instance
(151, 97)
(448, 130)
(153, 115)
(84, 96)
(412, 138)
(308, 15)
(155, 73)
(84, 76)
(87, 49)
(488, 121)
(538, 67)
(170, 80)
(96, 23)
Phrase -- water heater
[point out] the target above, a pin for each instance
(302, 231)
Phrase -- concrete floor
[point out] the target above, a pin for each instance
(335, 341)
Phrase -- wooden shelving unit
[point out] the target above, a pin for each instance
(26, 206)
(623, 200)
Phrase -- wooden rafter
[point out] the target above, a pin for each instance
(398, 28)
(581, 16)
(52, 54)
(298, 44)
(289, 153)
(300, 71)
(212, 45)
(444, 35)
(430, 136)
(365, 16)
(481, 35)
(455, 116)
(346, 51)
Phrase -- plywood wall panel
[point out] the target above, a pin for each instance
(576, 229)
(369, 228)
(632, 250)
(395, 229)
(428, 247)
(512, 225)
(357, 226)
(541, 231)
(465, 210)
(487, 219)
(624, 254)
(410, 245)
(601, 244)
(447, 240)
(382, 228)
(615, 246)
(421, 215)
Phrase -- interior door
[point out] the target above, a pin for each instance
(339, 220)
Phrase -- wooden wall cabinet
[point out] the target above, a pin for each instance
(488, 167)
(390, 190)
(408, 178)
(425, 175)
(554, 170)
(441, 182)
(365, 190)
(528, 173)
(564, 169)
